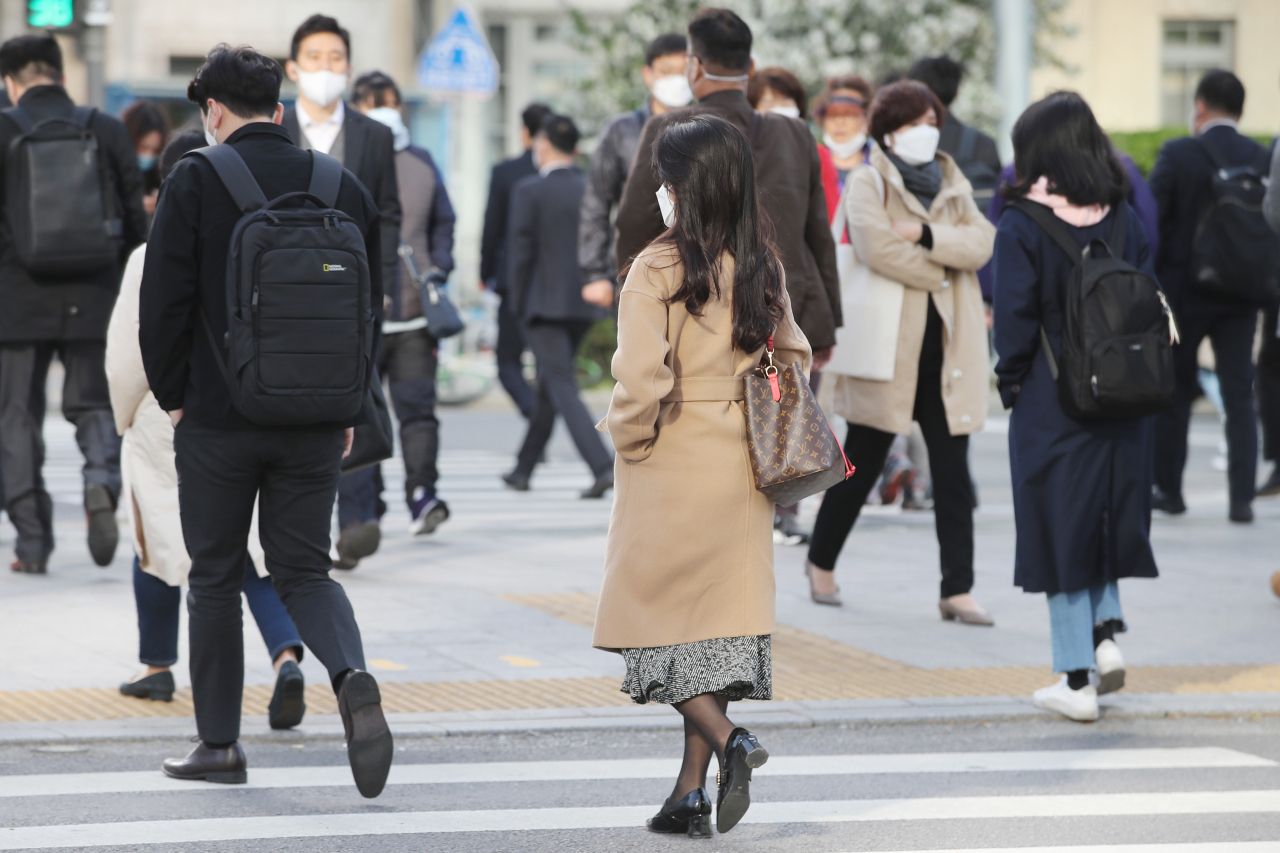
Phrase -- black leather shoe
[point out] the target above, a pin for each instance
(358, 540)
(158, 687)
(1272, 485)
(226, 766)
(691, 814)
(1241, 512)
(1167, 502)
(287, 705)
(742, 754)
(369, 745)
(602, 485)
(104, 534)
(517, 481)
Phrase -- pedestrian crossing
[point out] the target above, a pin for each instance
(230, 814)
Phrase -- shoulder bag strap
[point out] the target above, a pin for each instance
(326, 178)
(217, 352)
(1218, 161)
(234, 174)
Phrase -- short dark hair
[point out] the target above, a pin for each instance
(533, 116)
(246, 81)
(188, 140)
(36, 55)
(781, 81)
(1221, 91)
(375, 86)
(665, 45)
(902, 103)
(561, 132)
(1058, 138)
(720, 38)
(318, 24)
(143, 117)
(941, 74)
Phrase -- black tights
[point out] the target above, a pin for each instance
(706, 732)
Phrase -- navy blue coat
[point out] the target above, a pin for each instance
(1081, 489)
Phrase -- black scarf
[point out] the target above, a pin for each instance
(924, 182)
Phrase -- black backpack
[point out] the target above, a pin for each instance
(300, 324)
(1118, 330)
(1235, 255)
(980, 175)
(59, 197)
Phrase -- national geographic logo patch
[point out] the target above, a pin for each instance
(334, 268)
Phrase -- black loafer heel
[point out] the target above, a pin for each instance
(742, 754)
(700, 826)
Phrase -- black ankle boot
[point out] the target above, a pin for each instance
(742, 754)
(691, 814)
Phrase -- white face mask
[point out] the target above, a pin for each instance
(916, 145)
(666, 205)
(390, 116)
(208, 134)
(845, 150)
(672, 91)
(321, 87)
(789, 112)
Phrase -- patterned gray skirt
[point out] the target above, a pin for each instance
(733, 667)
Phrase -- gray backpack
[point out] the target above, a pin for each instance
(299, 345)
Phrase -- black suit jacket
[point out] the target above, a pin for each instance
(493, 244)
(544, 277)
(1182, 182)
(78, 307)
(371, 156)
(186, 269)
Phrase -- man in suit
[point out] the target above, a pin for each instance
(493, 259)
(1181, 181)
(225, 461)
(319, 62)
(546, 294)
(788, 174)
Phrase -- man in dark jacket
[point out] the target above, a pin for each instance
(788, 176)
(408, 357)
(64, 315)
(225, 461)
(1181, 181)
(493, 259)
(320, 62)
(664, 75)
(546, 294)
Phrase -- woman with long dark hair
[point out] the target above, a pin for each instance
(1081, 489)
(149, 130)
(688, 591)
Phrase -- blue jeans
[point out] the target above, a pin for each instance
(1072, 618)
(158, 605)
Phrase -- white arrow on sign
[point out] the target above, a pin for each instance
(458, 60)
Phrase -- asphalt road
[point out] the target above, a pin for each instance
(1205, 784)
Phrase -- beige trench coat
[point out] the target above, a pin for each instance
(962, 242)
(150, 479)
(690, 548)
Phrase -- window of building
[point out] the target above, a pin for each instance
(1191, 48)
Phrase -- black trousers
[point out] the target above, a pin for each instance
(953, 498)
(554, 345)
(408, 362)
(86, 403)
(1230, 329)
(1268, 384)
(508, 352)
(294, 474)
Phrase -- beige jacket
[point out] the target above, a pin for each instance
(962, 242)
(150, 479)
(690, 548)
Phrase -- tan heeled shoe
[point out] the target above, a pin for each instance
(973, 615)
(831, 598)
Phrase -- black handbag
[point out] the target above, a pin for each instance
(443, 320)
(374, 439)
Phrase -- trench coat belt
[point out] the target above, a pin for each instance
(698, 389)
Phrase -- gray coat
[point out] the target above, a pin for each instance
(544, 280)
(610, 166)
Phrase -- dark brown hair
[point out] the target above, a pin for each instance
(902, 103)
(781, 81)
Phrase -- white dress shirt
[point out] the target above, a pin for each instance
(321, 134)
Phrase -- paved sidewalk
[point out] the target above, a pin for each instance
(486, 623)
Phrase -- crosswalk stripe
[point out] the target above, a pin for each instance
(523, 820)
(1175, 847)
(58, 784)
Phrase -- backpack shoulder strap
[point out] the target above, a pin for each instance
(1045, 218)
(234, 174)
(1115, 240)
(326, 178)
(83, 116)
(968, 144)
(1218, 162)
(21, 118)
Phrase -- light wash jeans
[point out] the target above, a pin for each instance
(1072, 618)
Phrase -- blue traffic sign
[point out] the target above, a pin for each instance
(458, 59)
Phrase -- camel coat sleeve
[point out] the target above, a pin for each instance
(878, 245)
(640, 362)
(966, 244)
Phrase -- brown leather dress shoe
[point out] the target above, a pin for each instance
(226, 766)
(971, 615)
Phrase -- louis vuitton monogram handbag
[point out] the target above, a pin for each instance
(794, 451)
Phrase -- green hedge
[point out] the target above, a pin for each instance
(1144, 145)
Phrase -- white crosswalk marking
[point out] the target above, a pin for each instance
(57, 784)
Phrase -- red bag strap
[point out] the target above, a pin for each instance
(770, 371)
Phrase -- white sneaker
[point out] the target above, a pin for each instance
(1079, 705)
(1110, 667)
